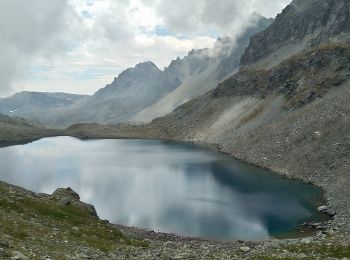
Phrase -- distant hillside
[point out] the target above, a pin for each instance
(37, 105)
(18, 130)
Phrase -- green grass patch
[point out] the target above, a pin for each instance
(45, 219)
(70, 213)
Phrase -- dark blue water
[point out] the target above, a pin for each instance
(164, 186)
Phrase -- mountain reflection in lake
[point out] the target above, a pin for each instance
(164, 186)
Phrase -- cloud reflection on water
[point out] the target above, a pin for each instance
(163, 186)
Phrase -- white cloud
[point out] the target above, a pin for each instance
(82, 44)
(224, 16)
(29, 29)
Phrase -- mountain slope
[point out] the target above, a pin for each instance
(134, 88)
(132, 91)
(224, 64)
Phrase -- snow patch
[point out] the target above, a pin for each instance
(13, 111)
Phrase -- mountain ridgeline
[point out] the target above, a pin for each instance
(141, 93)
(133, 90)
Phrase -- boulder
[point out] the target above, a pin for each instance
(67, 193)
(244, 249)
(67, 196)
(326, 210)
(322, 208)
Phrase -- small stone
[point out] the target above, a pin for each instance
(322, 208)
(18, 255)
(318, 133)
(244, 249)
(305, 241)
(82, 256)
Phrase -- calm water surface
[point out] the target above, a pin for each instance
(164, 186)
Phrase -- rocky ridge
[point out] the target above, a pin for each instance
(302, 24)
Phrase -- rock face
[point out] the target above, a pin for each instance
(301, 79)
(304, 22)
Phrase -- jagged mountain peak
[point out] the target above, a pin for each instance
(141, 68)
(141, 72)
(146, 65)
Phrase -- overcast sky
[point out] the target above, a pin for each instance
(78, 46)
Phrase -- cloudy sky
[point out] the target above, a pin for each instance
(78, 46)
